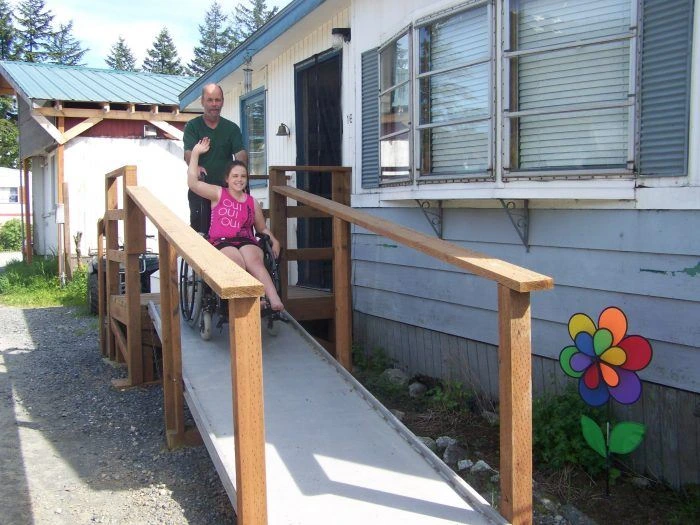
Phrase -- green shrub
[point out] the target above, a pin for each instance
(11, 235)
(557, 436)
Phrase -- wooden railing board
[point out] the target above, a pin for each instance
(502, 272)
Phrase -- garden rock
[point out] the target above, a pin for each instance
(480, 466)
(395, 376)
(490, 417)
(398, 414)
(429, 442)
(453, 453)
(417, 389)
(444, 441)
(464, 464)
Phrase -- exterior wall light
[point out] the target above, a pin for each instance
(283, 130)
(340, 36)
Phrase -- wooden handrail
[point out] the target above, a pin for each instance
(228, 280)
(509, 275)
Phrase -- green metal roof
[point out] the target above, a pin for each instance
(81, 84)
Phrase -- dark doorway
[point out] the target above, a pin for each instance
(319, 139)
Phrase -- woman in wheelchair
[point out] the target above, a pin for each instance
(234, 213)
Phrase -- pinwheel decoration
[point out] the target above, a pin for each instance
(605, 360)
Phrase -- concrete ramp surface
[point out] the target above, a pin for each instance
(334, 455)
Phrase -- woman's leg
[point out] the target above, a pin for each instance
(253, 257)
(235, 255)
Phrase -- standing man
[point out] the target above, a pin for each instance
(226, 144)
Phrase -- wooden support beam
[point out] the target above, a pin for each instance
(173, 390)
(67, 238)
(101, 291)
(248, 407)
(515, 398)
(168, 128)
(47, 126)
(112, 266)
(115, 114)
(341, 293)
(134, 245)
(278, 226)
(81, 127)
(29, 251)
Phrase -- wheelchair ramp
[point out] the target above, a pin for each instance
(333, 453)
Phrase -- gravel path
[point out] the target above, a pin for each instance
(73, 450)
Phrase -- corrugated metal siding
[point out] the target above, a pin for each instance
(81, 84)
(667, 31)
(370, 119)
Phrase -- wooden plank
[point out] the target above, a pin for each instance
(173, 395)
(101, 291)
(112, 268)
(249, 427)
(120, 340)
(114, 114)
(227, 280)
(509, 275)
(134, 245)
(278, 227)
(115, 215)
(342, 293)
(515, 396)
(116, 255)
(308, 309)
(670, 437)
(80, 127)
(310, 169)
(653, 415)
(167, 128)
(67, 237)
(297, 212)
(310, 254)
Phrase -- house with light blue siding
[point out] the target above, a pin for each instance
(560, 136)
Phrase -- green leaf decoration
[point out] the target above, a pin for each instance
(626, 436)
(593, 435)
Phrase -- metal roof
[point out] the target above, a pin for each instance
(34, 81)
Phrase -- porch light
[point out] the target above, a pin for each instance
(340, 36)
(283, 130)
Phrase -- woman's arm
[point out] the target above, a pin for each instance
(201, 188)
(261, 227)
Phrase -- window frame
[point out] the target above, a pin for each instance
(253, 97)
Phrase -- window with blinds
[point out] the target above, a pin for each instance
(395, 110)
(571, 71)
(454, 90)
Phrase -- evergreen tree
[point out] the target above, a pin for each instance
(64, 48)
(162, 58)
(34, 32)
(120, 57)
(9, 133)
(248, 20)
(215, 41)
(7, 32)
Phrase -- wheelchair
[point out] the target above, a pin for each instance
(200, 306)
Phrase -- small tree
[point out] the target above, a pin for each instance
(247, 20)
(215, 41)
(63, 48)
(11, 235)
(162, 57)
(7, 32)
(120, 57)
(34, 32)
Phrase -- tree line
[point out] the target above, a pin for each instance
(29, 33)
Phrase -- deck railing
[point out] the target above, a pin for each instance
(514, 287)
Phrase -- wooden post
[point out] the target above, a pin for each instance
(111, 267)
(341, 292)
(515, 391)
(66, 232)
(173, 395)
(29, 250)
(248, 410)
(342, 319)
(101, 288)
(134, 245)
(278, 227)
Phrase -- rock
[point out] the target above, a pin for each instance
(444, 441)
(398, 414)
(480, 466)
(495, 478)
(640, 482)
(395, 376)
(490, 417)
(417, 389)
(464, 464)
(453, 453)
(429, 442)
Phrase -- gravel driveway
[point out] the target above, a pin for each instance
(73, 450)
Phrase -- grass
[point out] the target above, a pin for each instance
(38, 285)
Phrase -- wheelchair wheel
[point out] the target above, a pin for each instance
(272, 326)
(190, 294)
(205, 326)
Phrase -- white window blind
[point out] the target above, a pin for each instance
(574, 88)
(454, 94)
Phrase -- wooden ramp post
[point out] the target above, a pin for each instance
(515, 392)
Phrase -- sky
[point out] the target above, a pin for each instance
(98, 24)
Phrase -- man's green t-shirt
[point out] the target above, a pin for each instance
(226, 141)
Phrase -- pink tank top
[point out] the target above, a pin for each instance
(230, 218)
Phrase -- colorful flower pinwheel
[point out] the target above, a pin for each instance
(604, 359)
